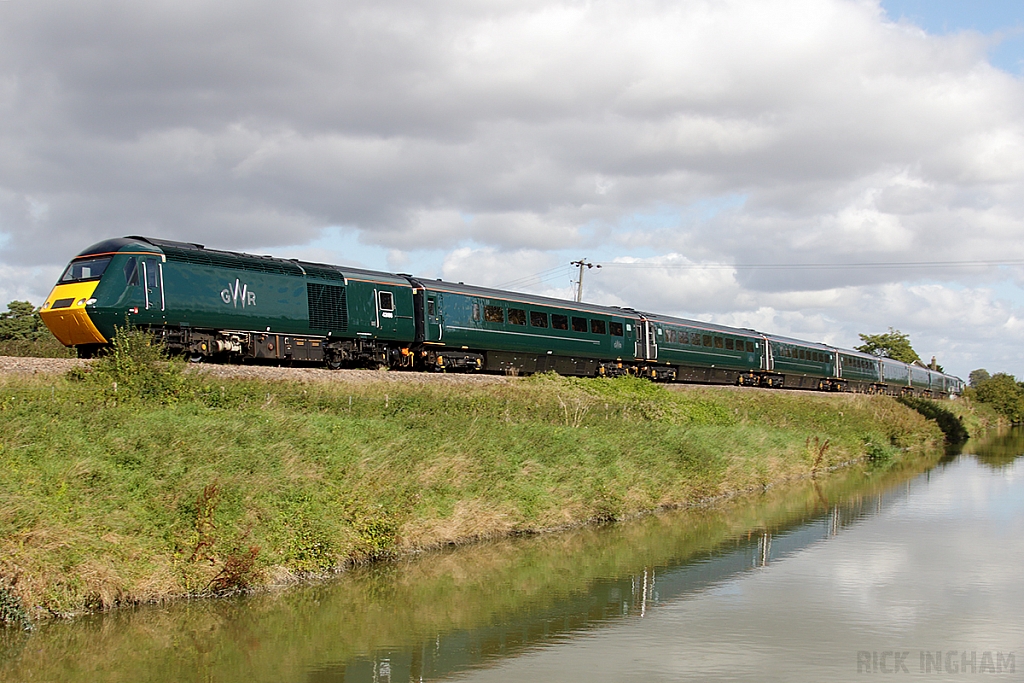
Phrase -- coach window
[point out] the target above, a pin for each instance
(684, 338)
(494, 314)
(476, 312)
(718, 342)
(431, 306)
(615, 329)
(131, 271)
(538, 319)
(579, 324)
(517, 316)
(559, 322)
(598, 327)
(750, 347)
(386, 300)
(707, 340)
(729, 344)
(803, 354)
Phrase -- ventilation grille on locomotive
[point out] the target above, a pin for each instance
(234, 261)
(327, 307)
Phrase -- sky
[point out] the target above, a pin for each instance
(815, 168)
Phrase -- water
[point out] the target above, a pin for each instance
(904, 571)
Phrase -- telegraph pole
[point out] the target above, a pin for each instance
(579, 283)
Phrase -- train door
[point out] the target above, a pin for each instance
(153, 284)
(646, 344)
(435, 321)
(384, 301)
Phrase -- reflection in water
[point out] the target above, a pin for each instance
(998, 452)
(482, 606)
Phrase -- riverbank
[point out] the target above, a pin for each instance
(211, 484)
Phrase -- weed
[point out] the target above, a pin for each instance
(11, 611)
(206, 506)
(880, 454)
(378, 535)
(818, 450)
(238, 573)
(135, 367)
(575, 409)
(310, 550)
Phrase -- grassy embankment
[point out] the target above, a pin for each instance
(164, 484)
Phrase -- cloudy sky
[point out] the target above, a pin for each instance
(817, 168)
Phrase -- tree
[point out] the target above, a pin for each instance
(1004, 394)
(977, 377)
(892, 344)
(21, 321)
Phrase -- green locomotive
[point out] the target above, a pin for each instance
(220, 305)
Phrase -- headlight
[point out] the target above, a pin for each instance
(90, 302)
(81, 302)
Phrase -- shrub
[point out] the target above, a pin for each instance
(136, 367)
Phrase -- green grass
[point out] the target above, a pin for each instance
(182, 485)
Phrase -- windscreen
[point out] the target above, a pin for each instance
(87, 269)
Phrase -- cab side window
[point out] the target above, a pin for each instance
(131, 271)
(152, 272)
(386, 300)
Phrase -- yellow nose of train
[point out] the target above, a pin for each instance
(65, 314)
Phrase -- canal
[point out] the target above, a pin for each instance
(913, 570)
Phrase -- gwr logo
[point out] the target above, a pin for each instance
(238, 293)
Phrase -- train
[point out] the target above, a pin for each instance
(214, 305)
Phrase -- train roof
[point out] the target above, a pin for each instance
(192, 251)
(440, 285)
(801, 342)
(701, 325)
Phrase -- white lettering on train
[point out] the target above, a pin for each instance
(238, 293)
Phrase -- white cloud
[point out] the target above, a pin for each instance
(535, 128)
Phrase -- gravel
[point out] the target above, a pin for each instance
(11, 365)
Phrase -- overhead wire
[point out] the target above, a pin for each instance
(813, 266)
(563, 270)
